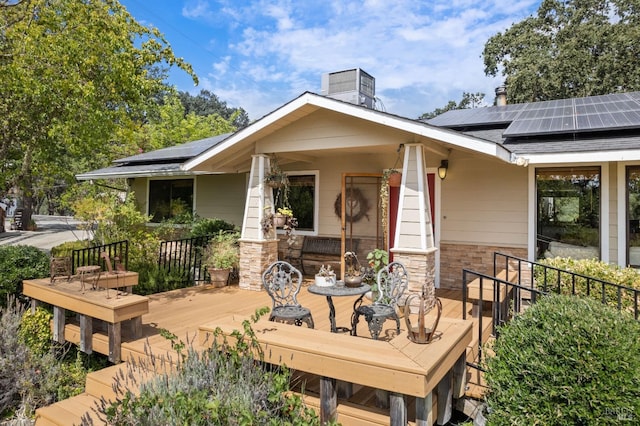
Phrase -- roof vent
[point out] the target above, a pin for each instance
(354, 86)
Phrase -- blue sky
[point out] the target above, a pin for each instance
(260, 54)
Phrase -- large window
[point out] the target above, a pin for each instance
(568, 212)
(633, 216)
(170, 199)
(301, 199)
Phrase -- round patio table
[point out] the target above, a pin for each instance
(338, 290)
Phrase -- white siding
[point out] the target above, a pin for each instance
(221, 196)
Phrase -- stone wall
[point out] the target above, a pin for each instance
(456, 257)
(421, 270)
(255, 257)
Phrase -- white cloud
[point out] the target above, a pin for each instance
(422, 54)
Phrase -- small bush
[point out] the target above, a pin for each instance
(627, 277)
(226, 385)
(566, 360)
(206, 226)
(19, 263)
(66, 249)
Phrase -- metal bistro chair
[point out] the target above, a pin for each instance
(282, 281)
(392, 282)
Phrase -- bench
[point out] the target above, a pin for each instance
(89, 305)
(323, 251)
(504, 296)
(402, 368)
(16, 221)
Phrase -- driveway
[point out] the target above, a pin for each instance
(50, 232)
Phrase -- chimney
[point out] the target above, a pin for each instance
(501, 95)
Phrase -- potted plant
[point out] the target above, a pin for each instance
(353, 273)
(326, 277)
(283, 214)
(220, 256)
(376, 259)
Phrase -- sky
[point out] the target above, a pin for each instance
(261, 54)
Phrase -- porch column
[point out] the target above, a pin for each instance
(257, 248)
(414, 243)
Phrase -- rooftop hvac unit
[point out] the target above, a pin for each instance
(354, 86)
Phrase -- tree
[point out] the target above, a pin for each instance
(206, 103)
(71, 73)
(469, 100)
(569, 49)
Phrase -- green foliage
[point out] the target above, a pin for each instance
(34, 373)
(469, 100)
(206, 103)
(565, 361)
(210, 226)
(65, 249)
(19, 263)
(80, 70)
(222, 251)
(568, 49)
(627, 277)
(226, 384)
(35, 330)
(153, 279)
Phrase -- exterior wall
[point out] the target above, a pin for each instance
(221, 196)
(140, 187)
(484, 202)
(255, 256)
(479, 258)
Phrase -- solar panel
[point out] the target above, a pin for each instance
(589, 114)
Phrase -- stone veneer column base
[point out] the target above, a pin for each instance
(421, 268)
(255, 256)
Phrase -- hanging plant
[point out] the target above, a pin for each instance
(387, 176)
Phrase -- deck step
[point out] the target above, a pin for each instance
(69, 412)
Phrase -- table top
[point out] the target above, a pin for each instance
(88, 268)
(339, 289)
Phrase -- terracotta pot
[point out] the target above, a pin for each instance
(219, 276)
(395, 179)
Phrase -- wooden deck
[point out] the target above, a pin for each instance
(183, 312)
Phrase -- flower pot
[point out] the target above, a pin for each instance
(325, 280)
(219, 276)
(352, 280)
(395, 179)
(279, 220)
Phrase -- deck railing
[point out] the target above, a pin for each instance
(91, 255)
(535, 279)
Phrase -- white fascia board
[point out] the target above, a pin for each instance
(583, 157)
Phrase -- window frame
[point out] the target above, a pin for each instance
(316, 200)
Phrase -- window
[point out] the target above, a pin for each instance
(170, 199)
(301, 199)
(633, 216)
(568, 212)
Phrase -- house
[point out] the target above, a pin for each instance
(537, 179)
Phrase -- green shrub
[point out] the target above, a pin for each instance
(19, 263)
(66, 248)
(593, 268)
(222, 386)
(30, 376)
(208, 226)
(565, 361)
(35, 330)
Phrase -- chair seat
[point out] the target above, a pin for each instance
(372, 311)
(290, 311)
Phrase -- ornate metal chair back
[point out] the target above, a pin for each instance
(282, 282)
(393, 281)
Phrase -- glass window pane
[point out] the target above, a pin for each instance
(301, 200)
(568, 212)
(170, 199)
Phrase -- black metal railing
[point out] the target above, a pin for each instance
(526, 280)
(184, 257)
(91, 255)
